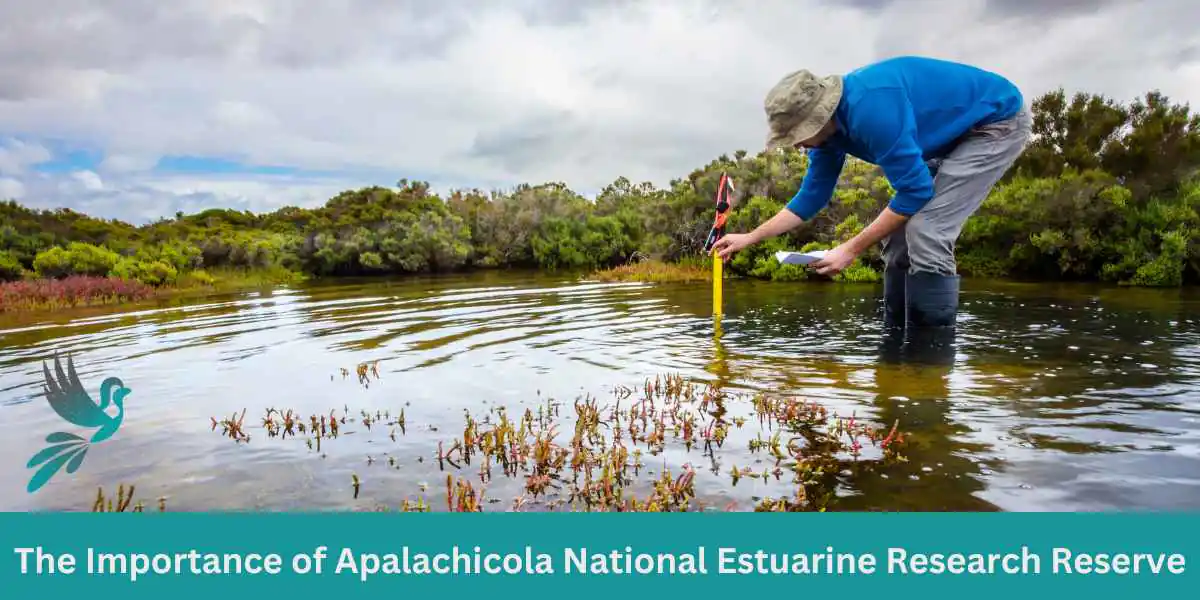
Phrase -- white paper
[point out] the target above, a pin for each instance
(799, 258)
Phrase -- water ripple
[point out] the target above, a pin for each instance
(1055, 398)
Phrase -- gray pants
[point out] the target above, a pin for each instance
(963, 179)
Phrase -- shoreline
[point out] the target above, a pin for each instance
(135, 294)
(233, 281)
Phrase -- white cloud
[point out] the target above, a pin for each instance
(479, 94)
(87, 180)
(16, 156)
(144, 197)
(11, 189)
(126, 163)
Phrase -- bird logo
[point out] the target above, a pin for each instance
(68, 398)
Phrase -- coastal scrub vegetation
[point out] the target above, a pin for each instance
(1106, 191)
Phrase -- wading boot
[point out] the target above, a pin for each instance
(932, 310)
(891, 346)
(894, 279)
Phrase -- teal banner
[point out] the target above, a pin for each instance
(185, 555)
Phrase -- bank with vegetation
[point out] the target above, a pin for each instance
(1106, 192)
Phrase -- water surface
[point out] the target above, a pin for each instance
(1055, 397)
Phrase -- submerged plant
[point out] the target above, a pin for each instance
(597, 465)
(123, 500)
(594, 457)
(232, 427)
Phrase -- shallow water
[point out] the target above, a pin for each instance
(1056, 397)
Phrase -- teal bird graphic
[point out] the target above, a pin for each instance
(68, 398)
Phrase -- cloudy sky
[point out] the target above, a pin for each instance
(138, 108)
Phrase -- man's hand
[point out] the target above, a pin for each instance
(732, 242)
(839, 258)
(783, 222)
(835, 260)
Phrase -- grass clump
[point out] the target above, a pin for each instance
(232, 278)
(656, 271)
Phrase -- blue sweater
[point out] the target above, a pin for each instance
(897, 114)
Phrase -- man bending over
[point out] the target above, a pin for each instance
(943, 133)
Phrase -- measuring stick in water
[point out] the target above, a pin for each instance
(724, 188)
(718, 265)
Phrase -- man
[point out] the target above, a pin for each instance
(942, 132)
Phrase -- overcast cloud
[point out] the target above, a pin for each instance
(486, 93)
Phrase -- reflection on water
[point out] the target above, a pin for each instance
(1055, 397)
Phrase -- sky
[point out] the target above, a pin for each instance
(136, 109)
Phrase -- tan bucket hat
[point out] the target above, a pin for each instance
(799, 106)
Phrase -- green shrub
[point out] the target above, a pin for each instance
(155, 273)
(54, 263)
(196, 278)
(10, 267)
(78, 258)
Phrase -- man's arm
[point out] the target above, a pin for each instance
(824, 168)
(883, 226)
(784, 221)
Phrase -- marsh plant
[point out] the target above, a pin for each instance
(122, 502)
(598, 463)
(364, 371)
(281, 423)
(68, 292)
(612, 456)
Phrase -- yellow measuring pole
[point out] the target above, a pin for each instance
(718, 266)
(724, 187)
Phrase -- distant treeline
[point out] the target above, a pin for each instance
(1107, 191)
